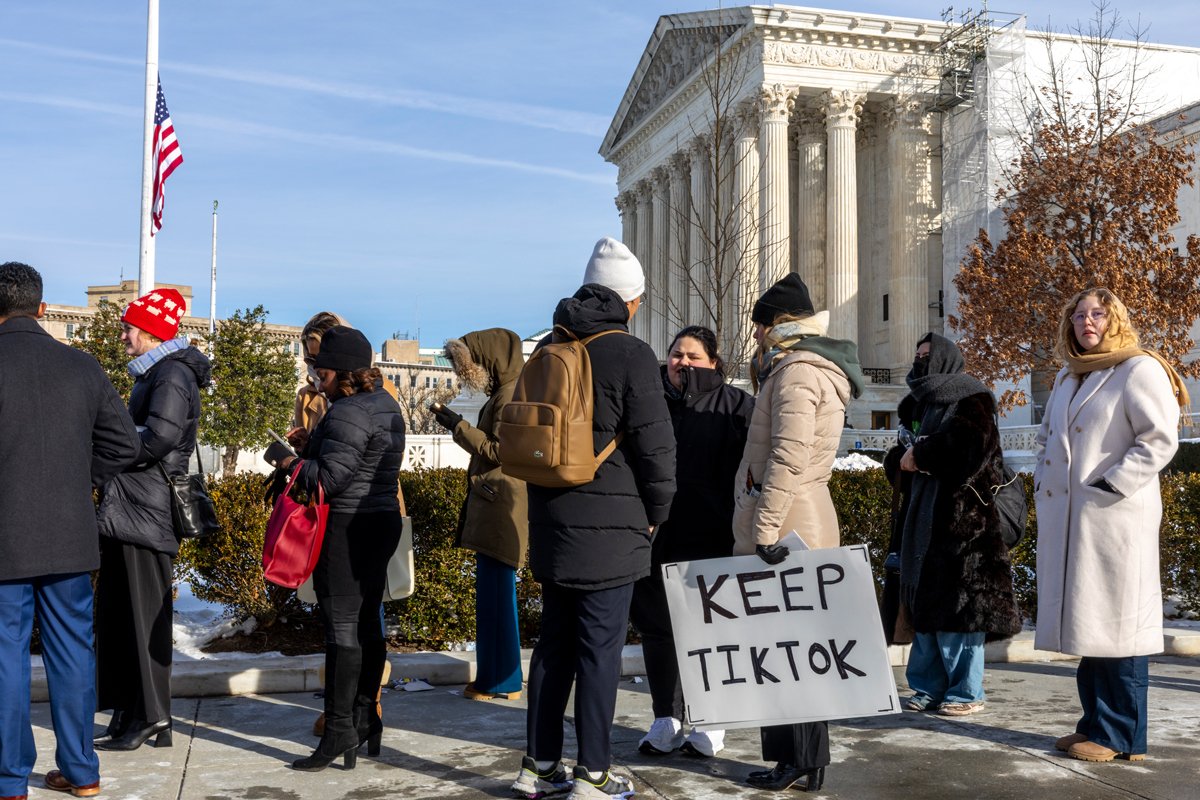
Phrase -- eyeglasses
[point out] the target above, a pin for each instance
(1095, 315)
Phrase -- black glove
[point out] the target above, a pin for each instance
(772, 553)
(446, 418)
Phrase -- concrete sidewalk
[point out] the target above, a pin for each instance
(438, 744)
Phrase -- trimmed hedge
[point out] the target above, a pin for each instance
(441, 613)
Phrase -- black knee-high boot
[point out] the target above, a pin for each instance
(366, 702)
(343, 666)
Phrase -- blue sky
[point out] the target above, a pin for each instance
(424, 167)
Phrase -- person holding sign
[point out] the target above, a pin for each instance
(1110, 427)
(955, 571)
(804, 380)
(711, 419)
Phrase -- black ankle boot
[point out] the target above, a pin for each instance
(784, 776)
(116, 726)
(136, 734)
(332, 745)
(816, 779)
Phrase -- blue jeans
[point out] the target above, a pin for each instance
(946, 667)
(1113, 692)
(497, 634)
(64, 611)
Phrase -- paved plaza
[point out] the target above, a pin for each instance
(438, 744)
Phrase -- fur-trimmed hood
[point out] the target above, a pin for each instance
(485, 360)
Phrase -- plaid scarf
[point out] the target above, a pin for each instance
(142, 364)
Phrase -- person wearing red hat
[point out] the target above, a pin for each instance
(138, 542)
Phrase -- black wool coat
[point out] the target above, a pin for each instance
(966, 580)
(165, 405)
(355, 453)
(63, 430)
(711, 420)
(596, 536)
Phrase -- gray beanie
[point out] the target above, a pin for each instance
(614, 267)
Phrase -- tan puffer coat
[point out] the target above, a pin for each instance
(794, 433)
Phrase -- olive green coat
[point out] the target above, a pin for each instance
(495, 517)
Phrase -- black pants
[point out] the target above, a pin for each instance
(651, 616)
(581, 639)
(804, 744)
(133, 631)
(349, 582)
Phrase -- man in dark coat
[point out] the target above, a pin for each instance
(590, 543)
(955, 571)
(63, 430)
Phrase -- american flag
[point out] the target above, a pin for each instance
(166, 157)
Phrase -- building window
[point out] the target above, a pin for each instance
(881, 420)
(428, 382)
(412, 381)
(70, 331)
(885, 308)
(449, 384)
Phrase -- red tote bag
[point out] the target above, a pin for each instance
(294, 536)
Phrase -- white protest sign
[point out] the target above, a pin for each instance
(794, 642)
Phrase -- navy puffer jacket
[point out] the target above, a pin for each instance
(355, 453)
(596, 536)
(165, 405)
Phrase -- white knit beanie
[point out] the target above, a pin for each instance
(613, 266)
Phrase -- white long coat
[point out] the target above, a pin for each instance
(1098, 584)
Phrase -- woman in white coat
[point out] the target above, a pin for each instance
(1110, 426)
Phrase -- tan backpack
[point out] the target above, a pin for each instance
(546, 429)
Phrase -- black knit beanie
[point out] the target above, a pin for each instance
(789, 295)
(344, 350)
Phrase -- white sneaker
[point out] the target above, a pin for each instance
(704, 744)
(665, 736)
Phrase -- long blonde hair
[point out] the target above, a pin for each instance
(1119, 326)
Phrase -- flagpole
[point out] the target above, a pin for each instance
(146, 250)
(212, 294)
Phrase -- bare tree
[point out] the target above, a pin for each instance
(415, 398)
(1092, 201)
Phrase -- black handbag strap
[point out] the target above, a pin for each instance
(199, 464)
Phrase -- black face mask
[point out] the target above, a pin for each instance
(920, 368)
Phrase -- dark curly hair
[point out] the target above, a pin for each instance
(707, 340)
(360, 380)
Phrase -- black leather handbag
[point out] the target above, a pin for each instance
(1011, 504)
(192, 511)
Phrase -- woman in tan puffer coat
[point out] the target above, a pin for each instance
(804, 381)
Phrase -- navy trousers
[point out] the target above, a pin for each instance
(581, 639)
(1114, 693)
(497, 634)
(63, 604)
(650, 614)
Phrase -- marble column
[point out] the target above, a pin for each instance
(660, 254)
(810, 205)
(680, 259)
(627, 208)
(910, 195)
(842, 109)
(700, 232)
(746, 252)
(774, 240)
(645, 224)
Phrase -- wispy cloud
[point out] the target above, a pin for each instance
(332, 141)
(556, 119)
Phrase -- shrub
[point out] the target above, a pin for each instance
(1187, 459)
(226, 567)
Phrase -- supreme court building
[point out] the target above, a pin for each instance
(863, 152)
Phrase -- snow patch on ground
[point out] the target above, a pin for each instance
(198, 622)
(855, 462)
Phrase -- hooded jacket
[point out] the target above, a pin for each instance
(596, 536)
(711, 420)
(952, 549)
(495, 515)
(135, 506)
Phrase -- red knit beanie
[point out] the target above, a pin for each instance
(158, 313)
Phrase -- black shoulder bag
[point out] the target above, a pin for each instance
(1010, 502)
(192, 511)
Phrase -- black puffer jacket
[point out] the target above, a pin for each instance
(596, 536)
(711, 419)
(165, 405)
(355, 453)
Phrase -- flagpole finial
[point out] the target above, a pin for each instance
(214, 206)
